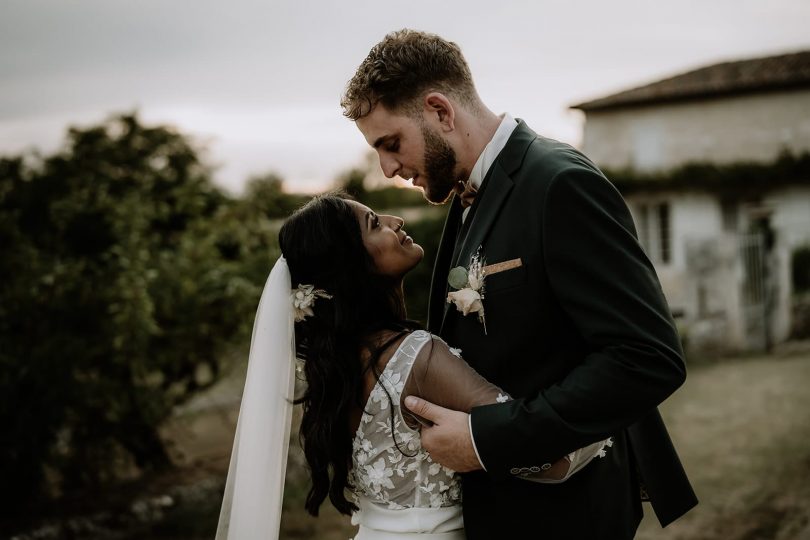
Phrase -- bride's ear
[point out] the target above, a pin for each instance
(440, 112)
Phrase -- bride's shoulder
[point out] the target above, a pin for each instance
(422, 335)
(438, 343)
(395, 340)
(432, 348)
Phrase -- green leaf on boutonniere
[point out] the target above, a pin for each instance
(457, 278)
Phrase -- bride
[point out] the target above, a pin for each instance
(334, 300)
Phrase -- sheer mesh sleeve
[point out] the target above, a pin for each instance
(441, 376)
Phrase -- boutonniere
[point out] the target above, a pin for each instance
(469, 283)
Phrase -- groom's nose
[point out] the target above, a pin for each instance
(389, 166)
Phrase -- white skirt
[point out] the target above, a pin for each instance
(381, 523)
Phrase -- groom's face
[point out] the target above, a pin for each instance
(412, 150)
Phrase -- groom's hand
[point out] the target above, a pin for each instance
(448, 440)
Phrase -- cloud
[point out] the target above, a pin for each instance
(261, 80)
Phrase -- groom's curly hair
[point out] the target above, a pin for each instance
(323, 245)
(403, 67)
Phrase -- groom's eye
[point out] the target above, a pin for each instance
(393, 146)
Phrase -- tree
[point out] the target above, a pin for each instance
(123, 285)
(265, 197)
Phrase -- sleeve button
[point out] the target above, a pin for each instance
(546, 466)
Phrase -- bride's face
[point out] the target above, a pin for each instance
(394, 252)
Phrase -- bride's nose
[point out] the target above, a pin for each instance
(394, 222)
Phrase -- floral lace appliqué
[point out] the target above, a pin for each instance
(390, 466)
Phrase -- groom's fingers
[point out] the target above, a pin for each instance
(449, 440)
(425, 409)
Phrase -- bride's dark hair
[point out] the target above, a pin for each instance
(323, 245)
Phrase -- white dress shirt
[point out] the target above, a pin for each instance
(490, 153)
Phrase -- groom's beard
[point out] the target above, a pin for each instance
(440, 168)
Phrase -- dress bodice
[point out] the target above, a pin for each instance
(390, 467)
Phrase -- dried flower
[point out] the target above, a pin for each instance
(303, 298)
(470, 284)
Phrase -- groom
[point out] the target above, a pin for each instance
(573, 323)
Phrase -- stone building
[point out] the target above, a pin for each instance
(715, 166)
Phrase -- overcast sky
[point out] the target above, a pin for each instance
(259, 81)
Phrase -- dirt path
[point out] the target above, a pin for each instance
(742, 429)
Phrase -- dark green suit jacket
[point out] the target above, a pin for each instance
(580, 334)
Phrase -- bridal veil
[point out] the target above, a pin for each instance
(251, 506)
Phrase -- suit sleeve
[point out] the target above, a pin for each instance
(608, 288)
(441, 376)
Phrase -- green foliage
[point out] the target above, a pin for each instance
(126, 277)
(426, 232)
(353, 182)
(265, 196)
(393, 197)
(736, 179)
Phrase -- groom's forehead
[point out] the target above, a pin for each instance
(380, 125)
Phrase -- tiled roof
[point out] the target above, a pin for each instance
(743, 76)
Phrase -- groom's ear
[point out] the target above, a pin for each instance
(440, 111)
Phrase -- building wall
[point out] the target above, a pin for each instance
(705, 277)
(791, 213)
(693, 217)
(725, 130)
(701, 281)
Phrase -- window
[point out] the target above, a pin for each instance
(654, 224)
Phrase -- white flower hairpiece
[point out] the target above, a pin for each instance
(303, 298)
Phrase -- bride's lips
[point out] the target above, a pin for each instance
(406, 240)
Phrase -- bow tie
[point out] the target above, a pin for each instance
(467, 196)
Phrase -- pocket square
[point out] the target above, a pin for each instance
(502, 266)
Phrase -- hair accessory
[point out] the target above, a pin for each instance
(303, 298)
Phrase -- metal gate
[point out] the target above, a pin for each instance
(755, 291)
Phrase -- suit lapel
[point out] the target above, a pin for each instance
(485, 210)
(483, 214)
(438, 282)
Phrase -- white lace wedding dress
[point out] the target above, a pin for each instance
(399, 490)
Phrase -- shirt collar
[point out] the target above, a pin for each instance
(492, 149)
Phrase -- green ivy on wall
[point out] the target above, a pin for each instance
(736, 179)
